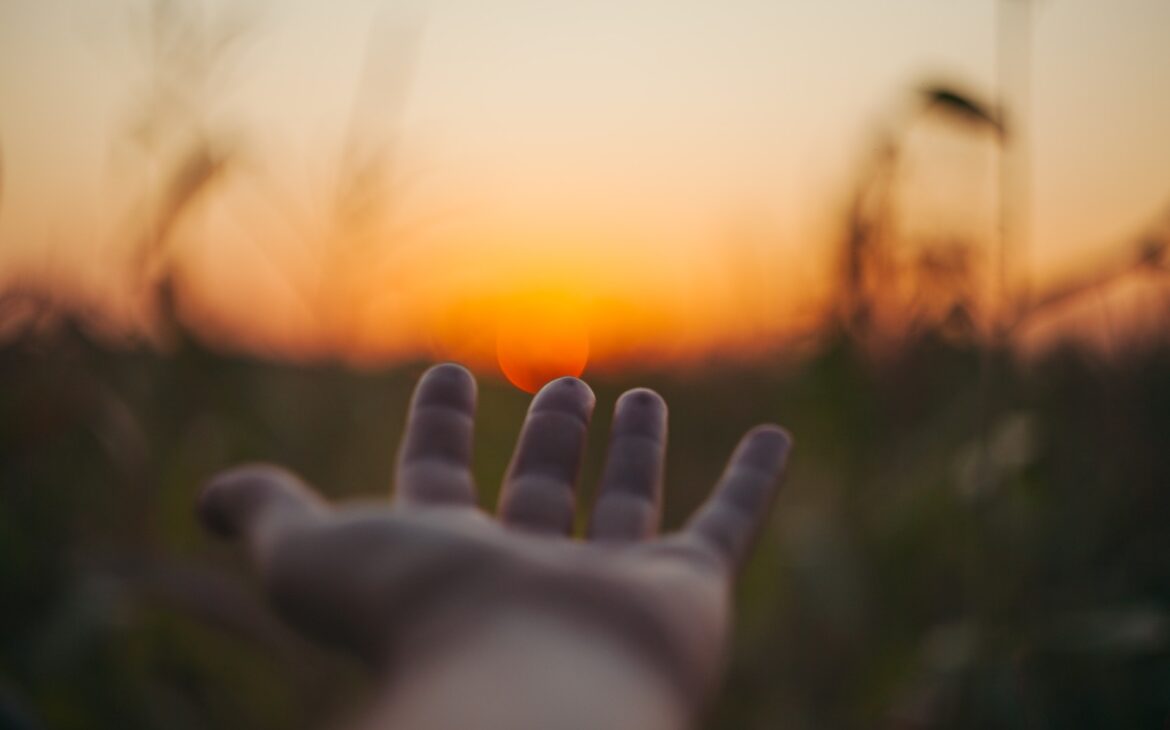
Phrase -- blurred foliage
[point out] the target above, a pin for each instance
(935, 561)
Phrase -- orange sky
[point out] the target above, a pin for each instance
(674, 172)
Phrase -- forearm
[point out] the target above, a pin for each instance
(531, 671)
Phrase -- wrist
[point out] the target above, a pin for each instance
(677, 634)
(530, 667)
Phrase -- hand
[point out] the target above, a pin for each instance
(403, 580)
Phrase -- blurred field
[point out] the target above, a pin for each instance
(915, 574)
(972, 533)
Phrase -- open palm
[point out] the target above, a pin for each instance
(393, 579)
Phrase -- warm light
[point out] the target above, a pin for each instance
(540, 337)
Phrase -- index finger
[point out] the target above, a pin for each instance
(434, 461)
(732, 516)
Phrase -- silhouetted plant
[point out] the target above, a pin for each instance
(883, 291)
(186, 50)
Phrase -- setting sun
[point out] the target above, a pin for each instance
(539, 337)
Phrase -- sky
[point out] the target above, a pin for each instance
(670, 176)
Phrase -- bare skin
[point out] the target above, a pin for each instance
(430, 586)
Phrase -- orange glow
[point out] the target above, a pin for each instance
(534, 303)
(541, 337)
(677, 198)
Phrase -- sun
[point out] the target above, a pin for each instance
(540, 337)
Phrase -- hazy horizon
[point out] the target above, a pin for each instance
(679, 172)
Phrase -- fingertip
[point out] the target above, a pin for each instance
(212, 504)
(764, 448)
(230, 500)
(566, 393)
(448, 384)
(641, 398)
(209, 509)
(569, 384)
(448, 369)
(771, 436)
(640, 412)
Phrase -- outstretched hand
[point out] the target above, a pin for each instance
(402, 580)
